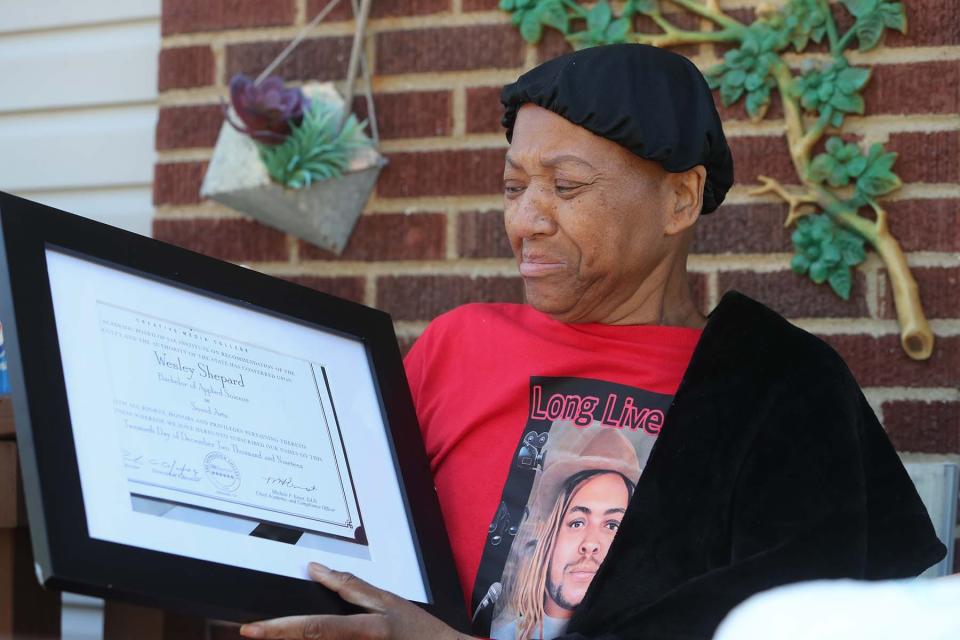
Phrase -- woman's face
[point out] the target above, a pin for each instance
(586, 218)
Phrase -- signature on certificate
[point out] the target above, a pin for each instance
(287, 483)
(174, 469)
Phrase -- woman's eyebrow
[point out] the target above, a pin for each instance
(552, 161)
(555, 160)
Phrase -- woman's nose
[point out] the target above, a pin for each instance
(531, 214)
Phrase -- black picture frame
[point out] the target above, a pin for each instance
(67, 557)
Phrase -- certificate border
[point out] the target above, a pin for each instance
(66, 556)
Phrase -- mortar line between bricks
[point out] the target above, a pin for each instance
(203, 211)
(196, 97)
(299, 13)
(458, 105)
(409, 327)
(219, 69)
(880, 55)
(339, 28)
(211, 209)
(445, 79)
(945, 329)
(901, 55)
(713, 297)
(933, 259)
(293, 249)
(492, 202)
(757, 262)
(872, 327)
(872, 287)
(739, 193)
(775, 261)
(370, 290)
(875, 125)
(917, 190)
(922, 394)
(451, 250)
(530, 57)
(471, 268)
(188, 154)
(446, 143)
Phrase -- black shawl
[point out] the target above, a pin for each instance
(771, 468)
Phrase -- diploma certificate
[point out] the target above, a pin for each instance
(214, 423)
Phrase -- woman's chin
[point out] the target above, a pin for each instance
(549, 300)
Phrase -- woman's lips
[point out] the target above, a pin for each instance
(533, 268)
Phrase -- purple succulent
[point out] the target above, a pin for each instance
(266, 110)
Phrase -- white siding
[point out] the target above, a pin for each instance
(18, 15)
(78, 105)
(78, 111)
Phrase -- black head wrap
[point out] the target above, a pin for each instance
(652, 101)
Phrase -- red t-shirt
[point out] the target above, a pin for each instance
(492, 383)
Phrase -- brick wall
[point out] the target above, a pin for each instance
(431, 237)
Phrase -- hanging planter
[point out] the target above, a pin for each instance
(296, 159)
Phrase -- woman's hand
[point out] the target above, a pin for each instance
(390, 616)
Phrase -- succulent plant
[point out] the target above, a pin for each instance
(267, 110)
(317, 149)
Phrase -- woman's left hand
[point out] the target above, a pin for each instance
(389, 616)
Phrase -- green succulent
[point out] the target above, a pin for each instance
(747, 70)
(836, 87)
(316, 149)
(826, 252)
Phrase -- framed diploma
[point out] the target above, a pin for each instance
(193, 433)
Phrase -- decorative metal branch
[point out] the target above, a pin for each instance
(830, 232)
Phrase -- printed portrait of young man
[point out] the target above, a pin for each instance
(579, 495)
